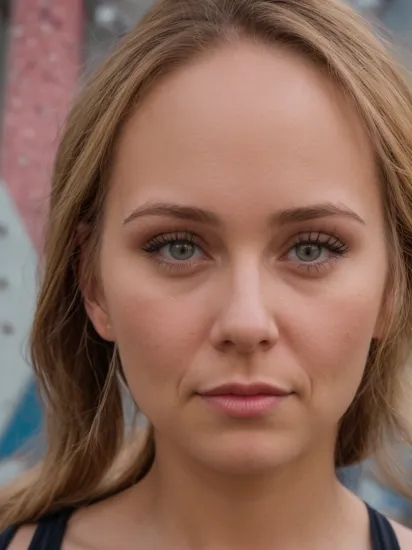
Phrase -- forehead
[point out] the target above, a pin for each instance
(247, 121)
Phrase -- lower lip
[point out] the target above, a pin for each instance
(244, 406)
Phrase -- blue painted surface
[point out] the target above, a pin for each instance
(24, 425)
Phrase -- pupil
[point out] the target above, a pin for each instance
(181, 251)
(308, 252)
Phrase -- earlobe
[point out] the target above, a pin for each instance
(89, 288)
(99, 319)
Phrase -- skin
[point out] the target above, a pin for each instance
(247, 133)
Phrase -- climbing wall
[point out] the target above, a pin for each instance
(47, 48)
(41, 65)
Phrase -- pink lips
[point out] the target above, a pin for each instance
(245, 401)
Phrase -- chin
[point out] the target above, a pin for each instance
(248, 453)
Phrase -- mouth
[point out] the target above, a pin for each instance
(245, 400)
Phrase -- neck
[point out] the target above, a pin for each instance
(289, 508)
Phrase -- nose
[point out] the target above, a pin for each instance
(245, 323)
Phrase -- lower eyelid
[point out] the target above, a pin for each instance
(178, 267)
(317, 266)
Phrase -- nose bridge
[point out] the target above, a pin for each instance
(245, 293)
(245, 319)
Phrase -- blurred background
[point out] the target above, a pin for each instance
(47, 49)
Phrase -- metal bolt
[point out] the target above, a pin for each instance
(6, 328)
(3, 230)
(4, 283)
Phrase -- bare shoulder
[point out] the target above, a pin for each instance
(404, 535)
(23, 537)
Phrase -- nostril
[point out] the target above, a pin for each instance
(245, 347)
(265, 344)
(225, 345)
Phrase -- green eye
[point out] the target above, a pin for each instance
(175, 248)
(308, 252)
(180, 250)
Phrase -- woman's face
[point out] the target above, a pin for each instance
(243, 254)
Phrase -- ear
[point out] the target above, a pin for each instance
(91, 287)
(99, 318)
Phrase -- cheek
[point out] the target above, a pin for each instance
(332, 343)
(158, 335)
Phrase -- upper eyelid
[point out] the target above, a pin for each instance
(312, 237)
(172, 236)
(309, 235)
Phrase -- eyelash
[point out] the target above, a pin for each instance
(153, 246)
(334, 245)
(329, 242)
(157, 242)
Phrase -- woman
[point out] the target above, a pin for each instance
(230, 240)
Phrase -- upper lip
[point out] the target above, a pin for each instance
(246, 389)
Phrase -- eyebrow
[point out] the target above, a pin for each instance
(313, 212)
(283, 217)
(172, 210)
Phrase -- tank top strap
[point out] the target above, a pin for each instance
(50, 531)
(6, 537)
(382, 533)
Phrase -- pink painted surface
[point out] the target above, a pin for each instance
(44, 55)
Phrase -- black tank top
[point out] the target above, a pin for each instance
(50, 531)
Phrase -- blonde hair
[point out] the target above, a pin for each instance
(78, 373)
